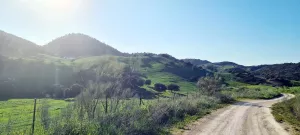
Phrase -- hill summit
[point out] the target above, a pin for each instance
(79, 45)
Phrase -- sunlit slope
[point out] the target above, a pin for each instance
(157, 68)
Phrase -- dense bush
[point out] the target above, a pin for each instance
(74, 90)
(174, 87)
(140, 82)
(209, 85)
(225, 98)
(295, 83)
(160, 87)
(148, 82)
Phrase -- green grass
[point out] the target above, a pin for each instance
(19, 112)
(292, 90)
(253, 92)
(288, 111)
(236, 84)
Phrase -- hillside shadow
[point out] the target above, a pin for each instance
(4, 99)
(145, 94)
(147, 61)
(187, 73)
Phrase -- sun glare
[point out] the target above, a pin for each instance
(53, 9)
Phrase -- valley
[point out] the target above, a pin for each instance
(84, 86)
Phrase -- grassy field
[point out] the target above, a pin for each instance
(252, 91)
(16, 114)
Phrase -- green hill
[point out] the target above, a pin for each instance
(158, 68)
(79, 45)
(197, 62)
(33, 75)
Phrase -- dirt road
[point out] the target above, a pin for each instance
(248, 117)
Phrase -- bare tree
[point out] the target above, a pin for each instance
(107, 87)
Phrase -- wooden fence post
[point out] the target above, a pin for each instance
(187, 95)
(106, 104)
(33, 119)
(140, 101)
(173, 95)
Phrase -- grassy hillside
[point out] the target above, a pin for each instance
(33, 75)
(157, 68)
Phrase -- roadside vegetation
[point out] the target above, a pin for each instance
(257, 92)
(289, 110)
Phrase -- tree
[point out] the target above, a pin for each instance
(174, 87)
(160, 87)
(148, 82)
(209, 85)
(131, 77)
(140, 82)
(74, 90)
(108, 87)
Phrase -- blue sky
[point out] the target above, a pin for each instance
(249, 32)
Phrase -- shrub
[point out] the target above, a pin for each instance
(160, 87)
(209, 85)
(148, 82)
(140, 82)
(174, 87)
(225, 98)
(74, 90)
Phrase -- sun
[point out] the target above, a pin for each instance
(58, 5)
(53, 9)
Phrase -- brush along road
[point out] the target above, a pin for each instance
(248, 117)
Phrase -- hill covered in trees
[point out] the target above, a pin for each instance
(197, 62)
(286, 74)
(13, 46)
(79, 45)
